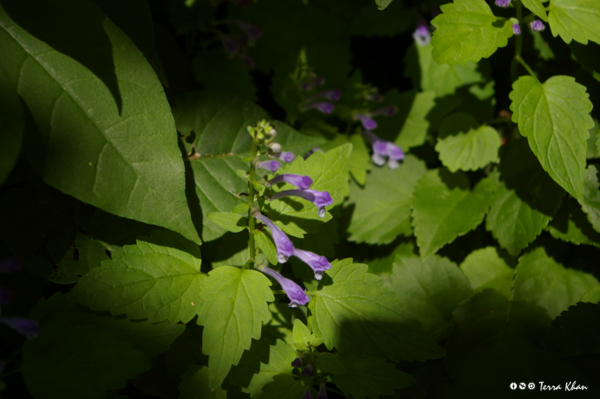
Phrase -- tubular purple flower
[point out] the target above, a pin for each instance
(516, 29)
(285, 156)
(284, 245)
(297, 363)
(368, 123)
(302, 182)
(320, 198)
(332, 95)
(384, 149)
(538, 26)
(5, 297)
(28, 328)
(307, 371)
(10, 265)
(324, 107)
(318, 263)
(307, 394)
(502, 3)
(271, 166)
(387, 111)
(292, 290)
(421, 35)
(322, 392)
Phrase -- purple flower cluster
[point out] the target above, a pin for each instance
(314, 101)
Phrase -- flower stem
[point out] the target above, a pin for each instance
(519, 48)
(251, 193)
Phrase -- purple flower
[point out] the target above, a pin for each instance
(307, 394)
(318, 263)
(332, 95)
(368, 123)
(302, 182)
(322, 393)
(271, 166)
(10, 265)
(538, 25)
(324, 107)
(421, 35)
(5, 297)
(384, 149)
(307, 371)
(284, 245)
(387, 111)
(320, 198)
(516, 29)
(297, 363)
(292, 290)
(28, 328)
(285, 156)
(502, 3)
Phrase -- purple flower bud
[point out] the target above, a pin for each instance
(10, 265)
(284, 245)
(5, 297)
(28, 328)
(516, 29)
(324, 107)
(306, 86)
(275, 147)
(538, 26)
(322, 392)
(297, 363)
(368, 123)
(502, 3)
(307, 371)
(292, 290)
(272, 133)
(302, 182)
(332, 95)
(387, 111)
(229, 44)
(271, 166)
(285, 156)
(320, 198)
(307, 394)
(421, 35)
(375, 97)
(318, 263)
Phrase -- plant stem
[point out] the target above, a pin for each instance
(522, 62)
(519, 48)
(251, 193)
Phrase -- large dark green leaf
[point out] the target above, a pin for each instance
(12, 124)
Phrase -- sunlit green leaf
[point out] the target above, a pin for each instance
(284, 386)
(230, 221)
(85, 255)
(575, 19)
(486, 269)
(266, 246)
(590, 202)
(536, 7)
(279, 361)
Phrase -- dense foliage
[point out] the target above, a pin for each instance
(286, 199)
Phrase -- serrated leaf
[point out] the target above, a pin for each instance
(357, 316)
(284, 386)
(464, 144)
(233, 309)
(444, 207)
(266, 246)
(297, 216)
(590, 202)
(467, 30)
(85, 255)
(593, 150)
(575, 332)
(278, 362)
(159, 279)
(382, 4)
(303, 337)
(230, 221)
(571, 224)
(12, 126)
(525, 200)
(554, 116)
(429, 290)
(536, 7)
(416, 125)
(575, 20)
(85, 101)
(542, 281)
(486, 269)
(194, 384)
(382, 210)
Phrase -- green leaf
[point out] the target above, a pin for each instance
(159, 279)
(357, 316)
(382, 4)
(303, 338)
(486, 269)
(12, 126)
(590, 202)
(464, 144)
(233, 309)
(361, 378)
(467, 30)
(536, 7)
(219, 72)
(85, 101)
(588, 56)
(575, 332)
(266, 246)
(284, 386)
(383, 266)
(554, 117)
(278, 362)
(444, 207)
(575, 19)
(230, 221)
(542, 281)
(382, 210)
(570, 224)
(85, 255)
(294, 215)
(194, 384)
(416, 125)
(525, 201)
(429, 290)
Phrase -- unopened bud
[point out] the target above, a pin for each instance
(273, 132)
(275, 147)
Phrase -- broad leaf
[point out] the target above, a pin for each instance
(382, 210)
(575, 20)
(542, 281)
(230, 221)
(554, 116)
(464, 144)
(159, 279)
(536, 7)
(590, 202)
(85, 255)
(233, 309)
(266, 246)
(467, 30)
(444, 207)
(284, 386)
(303, 338)
(12, 125)
(360, 378)
(382, 4)
(194, 384)
(357, 316)
(429, 290)
(279, 361)
(525, 201)
(575, 332)
(416, 125)
(571, 224)
(106, 127)
(486, 269)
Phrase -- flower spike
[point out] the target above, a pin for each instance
(285, 156)
(292, 290)
(285, 247)
(331, 95)
(271, 166)
(324, 107)
(318, 263)
(368, 123)
(387, 111)
(320, 198)
(302, 182)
